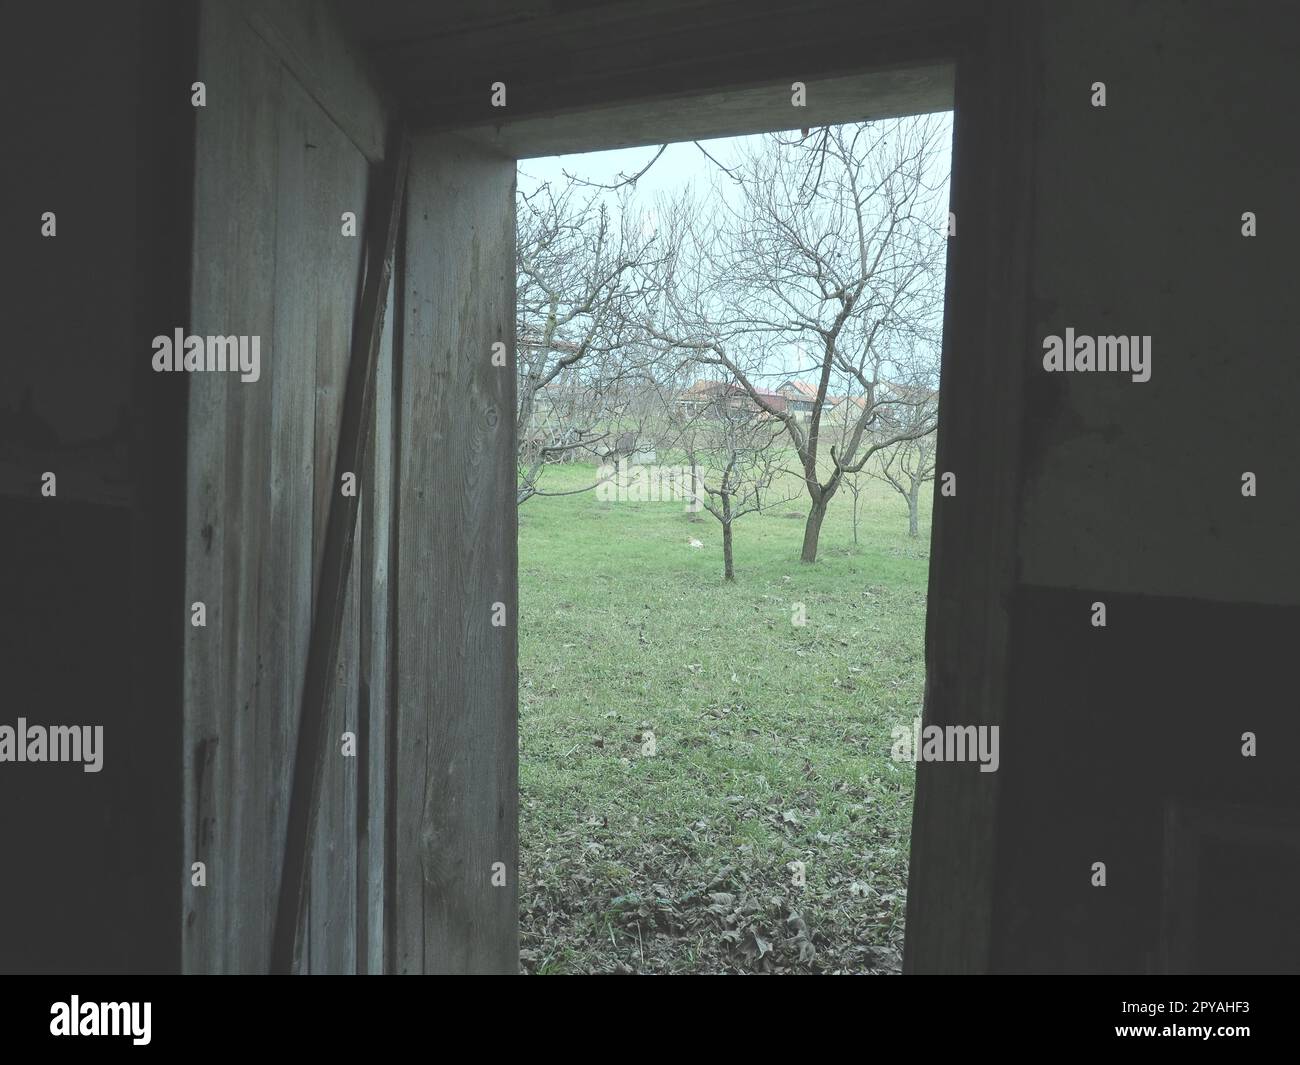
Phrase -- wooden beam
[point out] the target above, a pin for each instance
(229, 772)
(306, 38)
(383, 215)
(456, 745)
(732, 113)
(973, 560)
(445, 80)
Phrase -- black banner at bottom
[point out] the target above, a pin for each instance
(147, 1014)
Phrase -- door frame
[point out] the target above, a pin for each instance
(973, 561)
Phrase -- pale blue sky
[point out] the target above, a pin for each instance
(679, 166)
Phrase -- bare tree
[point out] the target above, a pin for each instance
(732, 448)
(582, 270)
(853, 482)
(908, 463)
(828, 263)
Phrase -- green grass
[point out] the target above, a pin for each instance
(771, 740)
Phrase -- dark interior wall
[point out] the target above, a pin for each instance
(1130, 495)
(90, 578)
(1132, 491)
(1137, 230)
(1109, 731)
(75, 156)
(95, 590)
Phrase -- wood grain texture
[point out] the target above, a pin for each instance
(293, 485)
(222, 694)
(973, 561)
(346, 386)
(457, 753)
(273, 175)
(730, 113)
(554, 59)
(375, 690)
(306, 37)
(337, 183)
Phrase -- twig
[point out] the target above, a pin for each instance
(623, 179)
(731, 173)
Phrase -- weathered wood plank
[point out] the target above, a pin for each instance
(973, 556)
(273, 176)
(457, 753)
(335, 182)
(643, 54)
(314, 744)
(227, 475)
(252, 656)
(730, 113)
(306, 37)
(332, 912)
(294, 466)
(375, 686)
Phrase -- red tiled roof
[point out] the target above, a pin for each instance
(711, 389)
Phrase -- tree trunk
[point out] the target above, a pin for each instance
(913, 511)
(813, 529)
(727, 570)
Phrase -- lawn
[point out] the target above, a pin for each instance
(771, 740)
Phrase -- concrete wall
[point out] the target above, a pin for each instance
(90, 577)
(1132, 496)
(1137, 230)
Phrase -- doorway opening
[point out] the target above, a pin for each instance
(728, 356)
